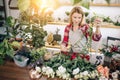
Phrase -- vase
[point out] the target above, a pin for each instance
(107, 61)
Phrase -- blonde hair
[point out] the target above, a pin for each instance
(76, 9)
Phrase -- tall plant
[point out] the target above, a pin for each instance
(84, 3)
(34, 18)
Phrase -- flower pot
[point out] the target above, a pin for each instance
(20, 61)
(107, 59)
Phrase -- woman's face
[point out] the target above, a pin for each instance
(76, 18)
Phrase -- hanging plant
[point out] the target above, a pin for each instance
(108, 1)
(84, 3)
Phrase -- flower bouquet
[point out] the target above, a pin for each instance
(110, 50)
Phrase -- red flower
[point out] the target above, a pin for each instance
(114, 48)
(87, 57)
(73, 56)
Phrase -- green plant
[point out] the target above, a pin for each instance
(11, 27)
(5, 50)
(69, 65)
(117, 23)
(108, 1)
(84, 3)
(110, 50)
(34, 17)
(16, 45)
(37, 57)
(37, 53)
(107, 19)
(36, 34)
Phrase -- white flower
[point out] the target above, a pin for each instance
(58, 73)
(85, 77)
(81, 75)
(66, 76)
(38, 69)
(62, 69)
(44, 69)
(96, 72)
(85, 73)
(49, 71)
(102, 78)
(92, 75)
(77, 76)
(76, 71)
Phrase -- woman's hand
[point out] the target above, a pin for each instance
(64, 48)
(98, 22)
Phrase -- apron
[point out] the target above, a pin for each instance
(77, 40)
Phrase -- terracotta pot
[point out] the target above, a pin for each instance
(18, 39)
(47, 56)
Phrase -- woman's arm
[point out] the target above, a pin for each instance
(66, 35)
(65, 38)
(97, 34)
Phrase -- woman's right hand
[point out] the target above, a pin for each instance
(64, 48)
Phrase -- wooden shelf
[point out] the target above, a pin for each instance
(108, 25)
(99, 4)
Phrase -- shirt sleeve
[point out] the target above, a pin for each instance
(96, 37)
(86, 32)
(66, 35)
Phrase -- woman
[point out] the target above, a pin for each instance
(76, 33)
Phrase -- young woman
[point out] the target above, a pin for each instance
(77, 32)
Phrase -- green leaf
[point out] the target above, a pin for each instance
(1, 61)
(75, 1)
(85, 3)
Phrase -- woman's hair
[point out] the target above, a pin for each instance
(76, 9)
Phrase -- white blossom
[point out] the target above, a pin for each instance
(81, 75)
(58, 73)
(38, 69)
(50, 72)
(77, 76)
(62, 69)
(44, 69)
(76, 71)
(66, 76)
(85, 73)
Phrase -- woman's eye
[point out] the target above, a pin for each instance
(79, 17)
(74, 17)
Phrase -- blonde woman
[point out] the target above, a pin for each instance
(77, 32)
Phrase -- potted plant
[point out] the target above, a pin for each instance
(109, 51)
(22, 57)
(36, 35)
(6, 51)
(37, 57)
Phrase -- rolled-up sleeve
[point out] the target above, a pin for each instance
(66, 35)
(96, 37)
